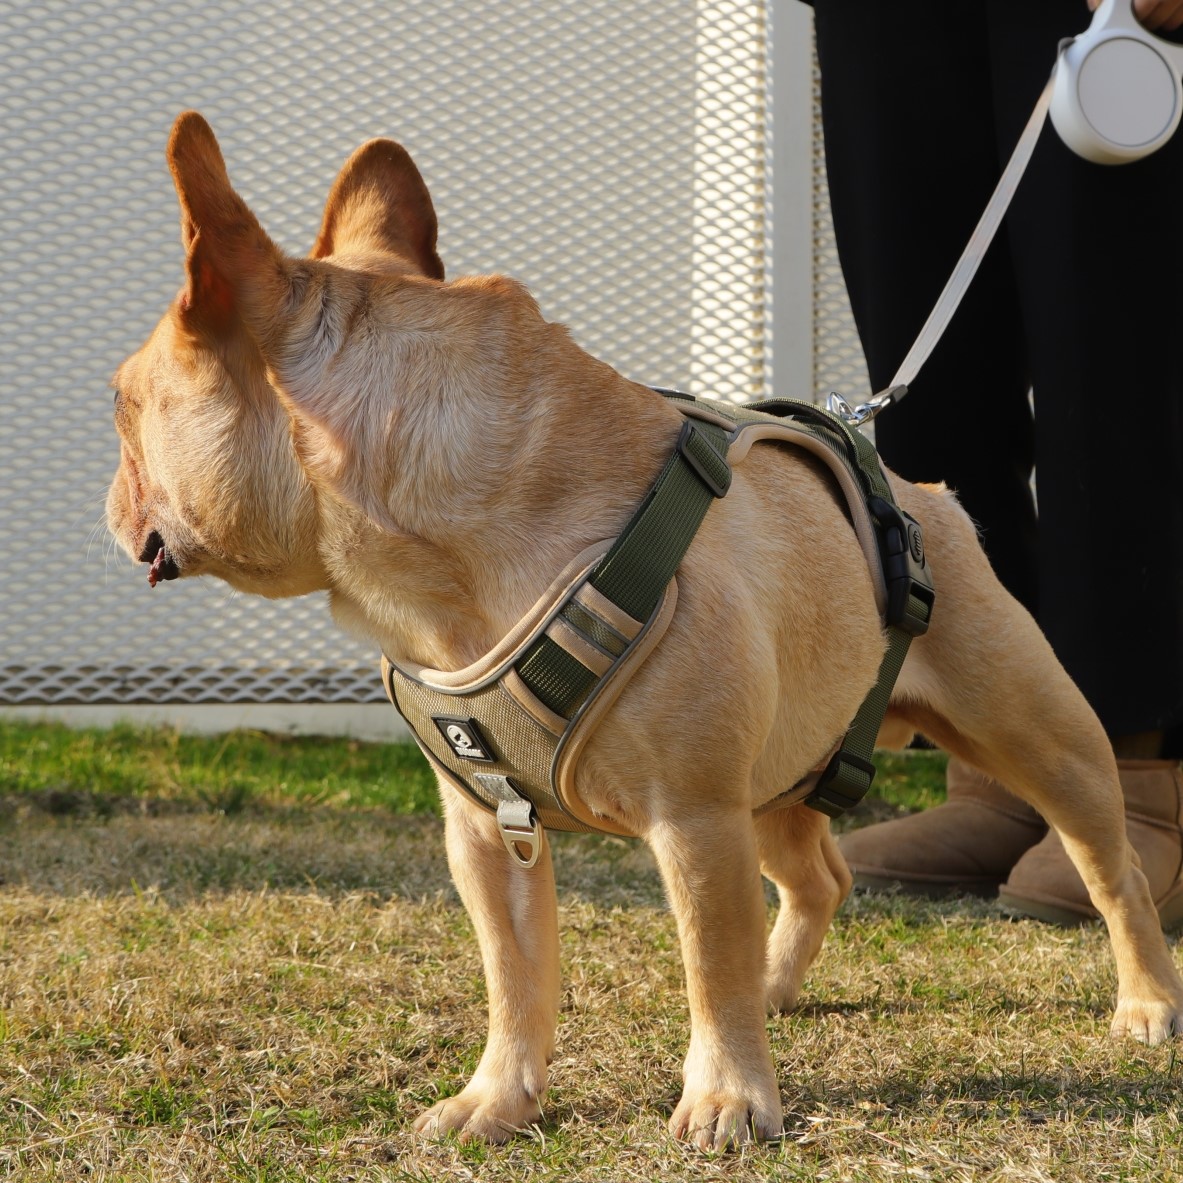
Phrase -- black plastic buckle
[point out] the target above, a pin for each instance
(842, 785)
(905, 568)
(705, 459)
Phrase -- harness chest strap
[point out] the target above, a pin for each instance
(541, 691)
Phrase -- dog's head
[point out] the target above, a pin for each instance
(213, 477)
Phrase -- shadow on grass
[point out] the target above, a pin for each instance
(992, 1107)
(975, 1098)
(75, 844)
(957, 1097)
(102, 847)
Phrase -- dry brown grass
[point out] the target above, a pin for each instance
(271, 997)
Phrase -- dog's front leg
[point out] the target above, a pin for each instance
(712, 875)
(515, 915)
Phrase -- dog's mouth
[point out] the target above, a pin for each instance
(163, 565)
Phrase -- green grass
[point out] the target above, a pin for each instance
(907, 781)
(86, 770)
(269, 993)
(66, 771)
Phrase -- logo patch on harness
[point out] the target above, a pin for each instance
(465, 738)
(916, 542)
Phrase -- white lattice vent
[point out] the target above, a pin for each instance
(609, 155)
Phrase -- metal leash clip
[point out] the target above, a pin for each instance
(862, 413)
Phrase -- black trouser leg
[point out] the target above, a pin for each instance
(922, 104)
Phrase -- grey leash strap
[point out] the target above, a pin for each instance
(967, 267)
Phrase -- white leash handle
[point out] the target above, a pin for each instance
(1118, 93)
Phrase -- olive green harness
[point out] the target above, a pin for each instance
(508, 729)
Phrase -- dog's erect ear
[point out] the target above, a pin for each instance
(379, 202)
(234, 271)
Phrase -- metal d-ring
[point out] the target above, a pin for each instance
(519, 828)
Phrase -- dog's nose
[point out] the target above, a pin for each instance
(152, 545)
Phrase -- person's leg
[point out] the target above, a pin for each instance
(910, 153)
(1096, 251)
(909, 135)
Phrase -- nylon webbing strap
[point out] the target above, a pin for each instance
(975, 250)
(963, 273)
(636, 571)
(641, 562)
(849, 774)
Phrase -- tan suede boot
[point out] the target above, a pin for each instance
(1044, 883)
(970, 843)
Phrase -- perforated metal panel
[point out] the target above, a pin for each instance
(838, 362)
(609, 154)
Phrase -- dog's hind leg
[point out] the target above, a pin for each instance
(707, 857)
(799, 855)
(984, 684)
(1065, 768)
(514, 911)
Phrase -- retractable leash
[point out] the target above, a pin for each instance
(1115, 94)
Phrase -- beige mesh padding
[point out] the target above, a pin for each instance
(609, 155)
(506, 726)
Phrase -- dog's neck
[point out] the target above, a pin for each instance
(504, 452)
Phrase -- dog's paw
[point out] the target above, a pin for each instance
(781, 993)
(726, 1120)
(1148, 1021)
(479, 1113)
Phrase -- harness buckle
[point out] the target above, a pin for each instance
(910, 594)
(707, 463)
(842, 785)
(519, 828)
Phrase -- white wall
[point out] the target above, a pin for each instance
(616, 157)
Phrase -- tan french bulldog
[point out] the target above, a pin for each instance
(433, 454)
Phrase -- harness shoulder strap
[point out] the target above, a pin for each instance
(637, 569)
